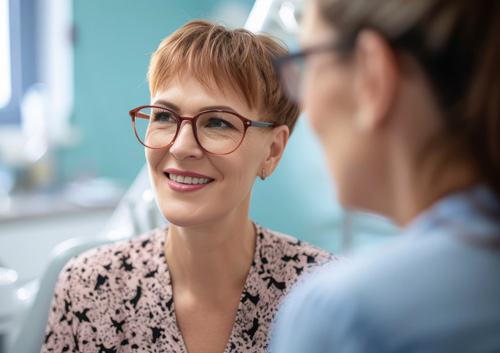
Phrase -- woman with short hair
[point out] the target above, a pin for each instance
(212, 280)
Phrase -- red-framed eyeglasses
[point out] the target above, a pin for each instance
(217, 132)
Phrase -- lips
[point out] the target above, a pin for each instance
(180, 180)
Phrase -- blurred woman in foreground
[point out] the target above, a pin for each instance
(405, 98)
(212, 280)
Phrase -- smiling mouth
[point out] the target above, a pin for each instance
(181, 179)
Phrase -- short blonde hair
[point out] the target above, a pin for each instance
(226, 59)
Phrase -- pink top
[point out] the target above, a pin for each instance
(118, 297)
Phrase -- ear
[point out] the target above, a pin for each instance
(376, 78)
(278, 140)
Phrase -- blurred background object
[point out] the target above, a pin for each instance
(70, 70)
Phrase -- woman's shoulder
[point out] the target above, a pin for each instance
(115, 258)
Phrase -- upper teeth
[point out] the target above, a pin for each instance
(187, 179)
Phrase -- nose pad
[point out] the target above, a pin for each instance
(185, 144)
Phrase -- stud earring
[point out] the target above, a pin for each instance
(263, 177)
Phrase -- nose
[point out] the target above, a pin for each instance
(185, 144)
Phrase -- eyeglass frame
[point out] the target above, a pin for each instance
(319, 48)
(246, 123)
(344, 45)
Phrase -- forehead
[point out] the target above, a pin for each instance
(191, 96)
(216, 78)
(313, 28)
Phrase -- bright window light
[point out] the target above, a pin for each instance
(258, 15)
(287, 15)
(5, 79)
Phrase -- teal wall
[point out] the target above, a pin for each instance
(114, 41)
(298, 199)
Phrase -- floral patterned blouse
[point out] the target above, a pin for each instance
(118, 297)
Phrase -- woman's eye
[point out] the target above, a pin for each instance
(164, 117)
(218, 123)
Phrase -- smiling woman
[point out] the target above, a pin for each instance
(213, 279)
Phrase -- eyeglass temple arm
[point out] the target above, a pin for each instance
(141, 115)
(261, 124)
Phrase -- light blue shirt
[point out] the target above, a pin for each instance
(436, 290)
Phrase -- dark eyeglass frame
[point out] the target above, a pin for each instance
(343, 45)
(134, 113)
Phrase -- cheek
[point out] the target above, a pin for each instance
(153, 157)
(327, 99)
(244, 164)
(330, 102)
(242, 168)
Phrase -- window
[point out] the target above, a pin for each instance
(18, 56)
(5, 82)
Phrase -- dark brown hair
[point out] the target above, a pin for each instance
(457, 43)
(229, 60)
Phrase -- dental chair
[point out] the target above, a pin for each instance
(136, 213)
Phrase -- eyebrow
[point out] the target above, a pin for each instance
(177, 109)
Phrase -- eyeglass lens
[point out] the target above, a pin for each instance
(217, 132)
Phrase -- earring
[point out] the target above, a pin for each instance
(263, 177)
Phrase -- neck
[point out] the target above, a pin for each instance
(211, 260)
(417, 186)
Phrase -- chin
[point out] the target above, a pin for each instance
(357, 200)
(182, 222)
(349, 196)
(182, 219)
(346, 201)
(186, 217)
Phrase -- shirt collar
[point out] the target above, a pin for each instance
(475, 209)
